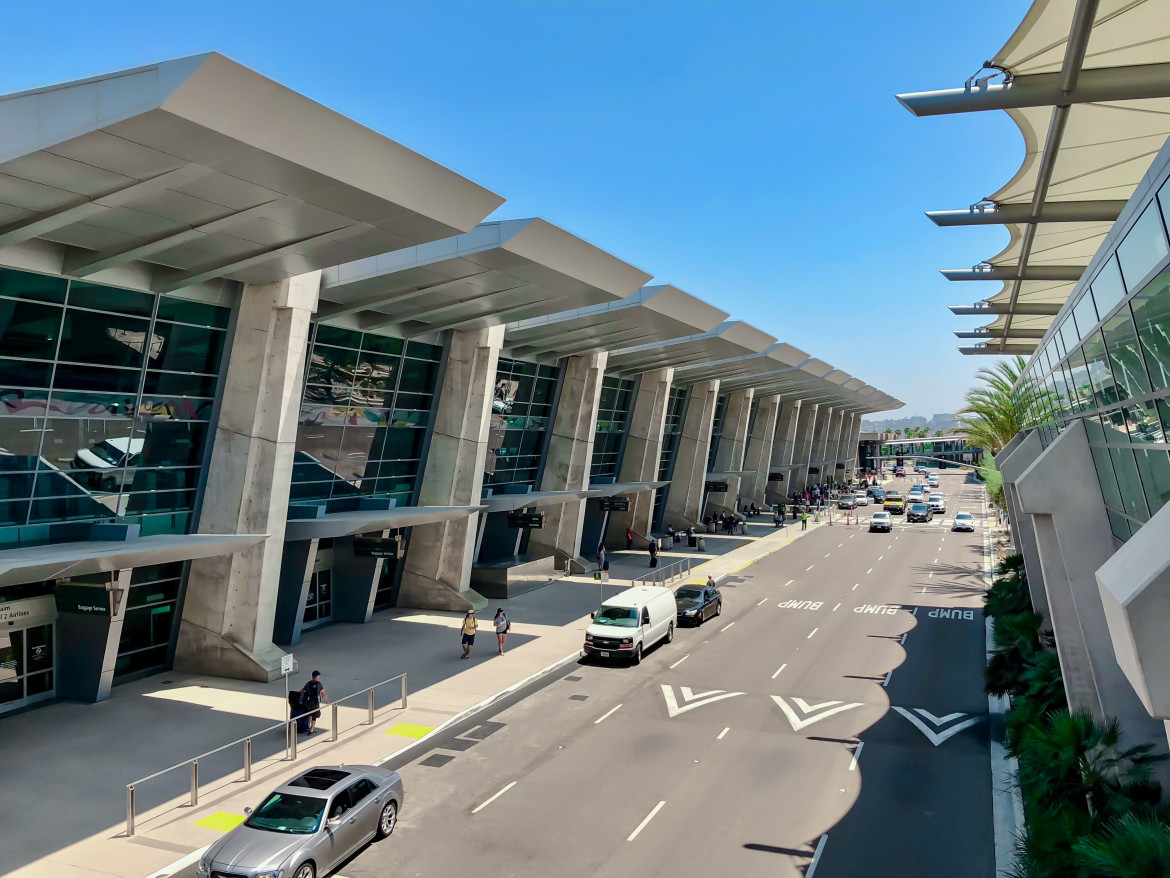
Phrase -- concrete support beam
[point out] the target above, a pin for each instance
(1013, 460)
(230, 602)
(732, 446)
(758, 457)
(642, 454)
(1074, 541)
(803, 445)
(570, 453)
(818, 442)
(783, 449)
(684, 503)
(833, 444)
(437, 568)
(851, 440)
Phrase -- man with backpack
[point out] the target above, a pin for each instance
(312, 694)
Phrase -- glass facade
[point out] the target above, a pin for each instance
(717, 429)
(676, 407)
(364, 414)
(105, 404)
(152, 619)
(613, 416)
(1107, 362)
(522, 411)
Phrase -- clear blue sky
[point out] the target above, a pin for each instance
(750, 153)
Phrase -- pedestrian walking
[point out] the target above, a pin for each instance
(804, 521)
(653, 553)
(503, 626)
(312, 694)
(783, 514)
(468, 629)
(602, 560)
(710, 581)
(629, 538)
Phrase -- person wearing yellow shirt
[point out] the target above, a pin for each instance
(470, 624)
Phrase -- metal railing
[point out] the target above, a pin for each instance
(290, 747)
(664, 575)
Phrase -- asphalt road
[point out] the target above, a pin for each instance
(831, 723)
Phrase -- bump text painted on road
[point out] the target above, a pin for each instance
(800, 605)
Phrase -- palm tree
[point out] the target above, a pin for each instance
(1135, 846)
(996, 410)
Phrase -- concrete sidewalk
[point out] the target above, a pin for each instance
(63, 805)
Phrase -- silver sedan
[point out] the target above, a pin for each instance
(310, 825)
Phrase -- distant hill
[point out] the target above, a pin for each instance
(944, 422)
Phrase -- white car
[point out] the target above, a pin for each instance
(937, 503)
(932, 481)
(861, 499)
(915, 496)
(881, 521)
(964, 521)
(630, 622)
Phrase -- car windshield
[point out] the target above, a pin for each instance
(108, 453)
(283, 812)
(622, 617)
(688, 594)
(918, 507)
(965, 516)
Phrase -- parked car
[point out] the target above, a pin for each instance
(628, 623)
(861, 499)
(964, 521)
(881, 521)
(894, 503)
(696, 604)
(108, 465)
(919, 512)
(937, 503)
(847, 501)
(310, 825)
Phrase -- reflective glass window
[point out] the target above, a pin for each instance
(38, 287)
(1151, 312)
(108, 339)
(1125, 357)
(1108, 289)
(1099, 372)
(1154, 468)
(1143, 248)
(1080, 388)
(183, 311)
(1105, 475)
(29, 329)
(1115, 427)
(1133, 498)
(1143, 423)
(1085, 314)
(1118, 525)
(1163, 201)
(187, 348)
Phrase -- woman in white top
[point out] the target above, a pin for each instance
(502, 626)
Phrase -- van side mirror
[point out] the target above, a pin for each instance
(593, 615)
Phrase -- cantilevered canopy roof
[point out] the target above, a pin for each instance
(732, 338)
(499, 272)
(198, 169)
(1088, 85)
(655, 313)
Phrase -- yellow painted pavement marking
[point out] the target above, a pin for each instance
(223, 821)
(409, 730)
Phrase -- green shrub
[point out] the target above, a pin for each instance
(1137, 845)
(1007, 596)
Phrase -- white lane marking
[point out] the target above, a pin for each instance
(941, 736)
(836, 608)
(180, 864)
(827, 554)
(811, 633)
(782, 667)
(914, 612)
(649, 817)
(855, 586)
(833, 708)
(719, 737)
(839, 545)
(903, 641)
(889, 674)
(808, 568)
(851, 536)
(789, 582)
(725, 627)
(930, 575)
(880, 557)
(680, 661)
(890, 546)
(812, 867)
(939, 720)
(856, 756)
(761, 602)
(607, 715)
(493, 798)
(936, 560)
(691, 700)
(895, 537)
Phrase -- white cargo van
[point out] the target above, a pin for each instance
(633, 621)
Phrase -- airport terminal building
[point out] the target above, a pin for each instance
(1084, 294)
(264, 369)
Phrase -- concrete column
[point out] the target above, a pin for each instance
(783, 449)
(642, 454)
(732, 445)
(570, 453)
(684, 503)
(833, 443)
(230, 603)
(847, 454)
(758, 457)
(1013, 461)
(437, 569)
(802, 445)
(817, 442)
(851, 438)
(1074, 541)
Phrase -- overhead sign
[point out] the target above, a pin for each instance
(615, 504)
(530, 520)
(26, 613)
(716, 487)
(84, 600)
(379, 547)
(775, 477)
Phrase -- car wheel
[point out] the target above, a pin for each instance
(718, 608)
(636, 658)
(305, 870)
(670, 633)
(388, 819)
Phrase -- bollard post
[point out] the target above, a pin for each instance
(292, 728)
(247, 759)
(129, 810)
(404, 691)
(371, 706)
(333, 731)
(194, 782)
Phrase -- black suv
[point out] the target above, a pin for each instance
(919, 512)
